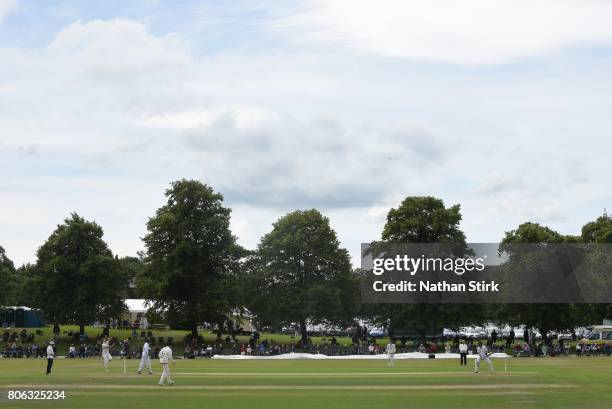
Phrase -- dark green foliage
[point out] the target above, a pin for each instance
(132, 267)
(8, 279)
(76, 279)
(299, 273)
(598, 231)
(424, 220)
(547, 317)
(192, 257)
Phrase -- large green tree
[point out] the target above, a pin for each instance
(598, 231)
(424, 219)
(76, 279)
(544, 316)
(191, 255)
(8, 279)
(301, 274)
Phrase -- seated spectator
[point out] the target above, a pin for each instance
(586, 349)
(72, 351)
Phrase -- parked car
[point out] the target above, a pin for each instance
(601, 334)
(448, 333)
(377, 332)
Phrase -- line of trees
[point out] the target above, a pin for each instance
(193, 270)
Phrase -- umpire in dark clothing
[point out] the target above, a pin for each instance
(463, 351)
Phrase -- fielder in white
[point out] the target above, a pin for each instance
(390, 351)
(482, 354)
(106, 356)
(165, 356)
(145, 360)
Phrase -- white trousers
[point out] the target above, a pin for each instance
(487, 360)
(145, 362)
(391, 358)
(165, 376)
(106, 358)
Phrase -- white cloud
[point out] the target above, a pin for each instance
(275, 160)
(118, 44)
(102, 119)
(109, 107)
(6, 6)
(244, 117)
(465, 32)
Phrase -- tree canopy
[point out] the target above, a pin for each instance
(544, 316)
(192, 257)
(424, 219)
(598, 231)
(8, 279)
(194, 272)
(76, 279)
(300, 274)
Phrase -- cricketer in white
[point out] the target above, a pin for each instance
(145, 359)
(390, 350)
(482, 354)
(106, 356)
(165, 356)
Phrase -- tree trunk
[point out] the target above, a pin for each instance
(304, 332)
(194, 330)
(81, 329)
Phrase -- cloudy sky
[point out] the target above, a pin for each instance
(348, 106)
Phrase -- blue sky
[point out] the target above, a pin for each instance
(503, 107)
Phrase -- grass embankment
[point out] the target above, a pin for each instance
(64, 340)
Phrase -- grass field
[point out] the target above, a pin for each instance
(270, 384)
